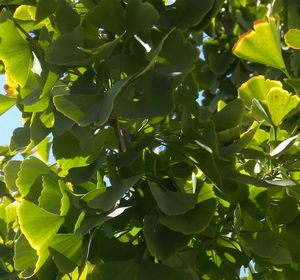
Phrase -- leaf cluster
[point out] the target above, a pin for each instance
(160, 141)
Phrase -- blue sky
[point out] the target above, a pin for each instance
(9, 120)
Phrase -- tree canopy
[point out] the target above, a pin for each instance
(160, 140)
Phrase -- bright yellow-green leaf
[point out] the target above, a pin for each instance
(25, 12)
(25, 257)
(15, 53)
(67, 251)
(262, 44)
(51, 195)
(6, 102)
(256, 87)
(280, 103)
(39, 227)
(30, 170)
(292, 38)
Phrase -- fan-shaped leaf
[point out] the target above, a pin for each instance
(262, 44)
(15, 53)
(292, 38)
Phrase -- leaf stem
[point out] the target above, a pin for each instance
(28, 37)
(119, 133)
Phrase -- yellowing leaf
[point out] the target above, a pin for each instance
(280, 103)
(15, 53)
(292, 38)
(25, 12)
(262, 44)
(257, 87)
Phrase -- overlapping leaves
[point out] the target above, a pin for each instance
(164, 165)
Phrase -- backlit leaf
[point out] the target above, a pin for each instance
(292, 38)
(6, 102)
(262, 44)
(256, 88)
(280, 104)
(15, 53)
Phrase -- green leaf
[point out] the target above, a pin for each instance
(45, 8)
(256, 88)
(219, 63)
(25, 256)
(20, 139)
(43, 150)
(38, 130)
(15, 53)
(50, 198)
(151, 97)
(259, 112)
(107, 200)
(263, 243)
(295, 83)
(172, 203)
(283, 211)
(65, 50)
(209, 17)
(292, 38)
(104, 51)
(262, 44)
(11, 174)
(283, 146)
(193, 221)
(83, 174)
(89, 109)
(67, 251)
(66, 17)
(110, 15)
(139, 16)
(6, 102)
(177, 56)
(290, 235)
(280, 104)
(31, 169)
(68, 153)
(90, 222)
(186, 13)
(137, 270)
(155, 235)
(230, 116)
(39, 227)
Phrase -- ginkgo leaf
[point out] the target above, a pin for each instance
(6, 102)
(193, 221)
(89, 109)
(30, 170)
(67, 251)
(262, 44)
(25, 256)
(283, 146)
(39, 227)
(256, 88)
(292, 38)
(140, 16)
(280, 103)
(15, 53)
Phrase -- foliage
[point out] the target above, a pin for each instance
(176, 144)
